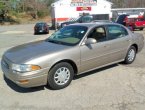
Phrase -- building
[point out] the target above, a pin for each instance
(63, 10)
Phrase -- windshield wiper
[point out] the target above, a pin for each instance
(54, 41)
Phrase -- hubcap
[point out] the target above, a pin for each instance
(62, 76)
(131, 55)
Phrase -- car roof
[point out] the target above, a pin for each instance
(41, 23)
(90, 25)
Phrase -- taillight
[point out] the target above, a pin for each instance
(45, 27)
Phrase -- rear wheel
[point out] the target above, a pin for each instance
(131, 54)
(60, 76)
(48, 32)
(141, 29)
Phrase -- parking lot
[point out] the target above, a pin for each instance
(116, 87)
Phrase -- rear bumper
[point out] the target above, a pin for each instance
(41, 31)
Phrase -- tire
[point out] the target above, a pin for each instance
(131, 55)
(141, 29)
(47, 32)
(35, 33)
(60, 76)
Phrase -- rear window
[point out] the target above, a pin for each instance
(101, 17)
(139, 19)
(86, 19)
(115, 31)
(130, 19)
(40, 24)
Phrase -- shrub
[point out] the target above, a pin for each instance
(42, 13)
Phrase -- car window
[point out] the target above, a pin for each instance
(86, 19)
(69, 35)
(130, 20)
(115, 32)
(101, 17)
(120, 19)
(140, 19)
(98, 33)
(39, 24)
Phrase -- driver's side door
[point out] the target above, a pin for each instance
(95, 55)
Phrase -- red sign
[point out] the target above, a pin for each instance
(84, 9)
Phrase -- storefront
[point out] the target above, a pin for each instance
(63, 10)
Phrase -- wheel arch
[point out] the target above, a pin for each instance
(136, 46)
(72, 63)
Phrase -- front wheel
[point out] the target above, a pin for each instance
(131, 54)
(60, 76)
(141, 29)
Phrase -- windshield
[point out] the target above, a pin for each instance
(69, 35)
(87, 19)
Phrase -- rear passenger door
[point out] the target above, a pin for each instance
(119, 40)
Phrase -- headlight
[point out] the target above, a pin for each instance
(25, 67)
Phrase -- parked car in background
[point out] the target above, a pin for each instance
(136, 23)
(133, 22)
(121, 19)
(72, 50)
(87, 19)
(41, 28)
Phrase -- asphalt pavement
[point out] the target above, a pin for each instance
(116, 87)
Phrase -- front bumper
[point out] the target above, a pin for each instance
(26, 80)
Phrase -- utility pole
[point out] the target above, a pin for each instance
(23, 5)
(36, 8)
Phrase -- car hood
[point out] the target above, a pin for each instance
(25, 52)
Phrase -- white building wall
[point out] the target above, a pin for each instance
(63, 10)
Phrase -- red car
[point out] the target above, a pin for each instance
(135, 23)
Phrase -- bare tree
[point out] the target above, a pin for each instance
(33, 7)
(128, 3)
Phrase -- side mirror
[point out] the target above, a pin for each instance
(91, 41)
